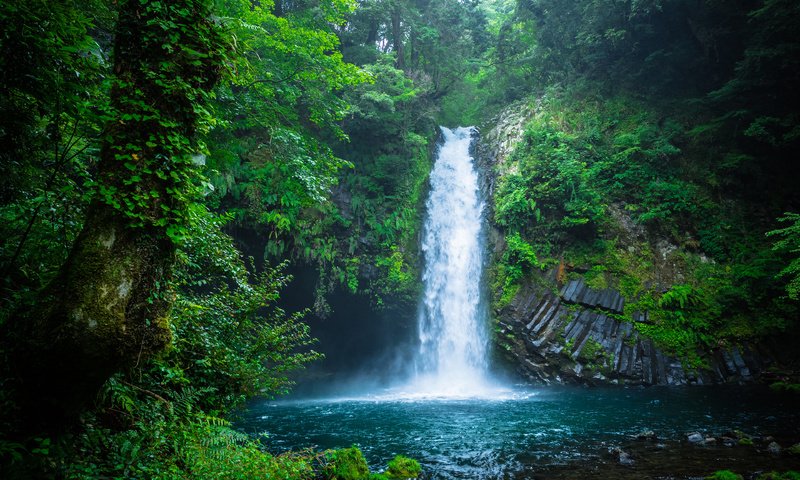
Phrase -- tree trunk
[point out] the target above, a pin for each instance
(397, 37)
(108, 307)
(372, 34)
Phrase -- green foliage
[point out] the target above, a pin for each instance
(271, 157)
(785, 387)
(790, 475)
(52, 99)
(745, 442)
(167, 439)
(399, 278)
(519, 259)
(283, 181)
(724, 475)
(346, 464)
(789, 244)
(591, 352)
(647, 46)
(595, 183)
(403, 467)
(152, 149)
(231, 340)
(164, 418)
(518, 262)
(546, 188)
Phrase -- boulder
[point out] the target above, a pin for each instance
(695, 437)
(774, 448)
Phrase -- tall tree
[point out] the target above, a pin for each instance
(107, 308)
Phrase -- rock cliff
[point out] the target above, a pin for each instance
(558, 329)
(580, 335)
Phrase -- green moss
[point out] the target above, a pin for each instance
(591, 351)
(403, 467)
(746, 442)
(794, 449)
(508, 294)
(785, 387)
(724, 475)
(346, 464)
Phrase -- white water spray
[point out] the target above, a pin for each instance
(452, 357)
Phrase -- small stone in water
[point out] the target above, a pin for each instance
(695, 437)
(728, 441)
(625, 459)
(646, 435)
(774, 448)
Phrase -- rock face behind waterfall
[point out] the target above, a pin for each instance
(557, 329)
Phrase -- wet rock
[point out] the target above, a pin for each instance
(570, 337)
(623, 457)
(774, 448)
(626, 459)
(695, 437)
(728, 441)
(710, 441)
(647, 435)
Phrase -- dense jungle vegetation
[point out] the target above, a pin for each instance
(140, 138)
(659, 160)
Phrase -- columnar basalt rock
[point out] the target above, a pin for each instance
(578, 336)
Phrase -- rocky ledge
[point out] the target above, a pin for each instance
(581, 335)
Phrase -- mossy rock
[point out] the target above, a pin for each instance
(346, 464)
(794, 449)
(403, 467)
(743, 439)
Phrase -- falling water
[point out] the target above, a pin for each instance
(452, 357)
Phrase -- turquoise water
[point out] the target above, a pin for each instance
(522, 431)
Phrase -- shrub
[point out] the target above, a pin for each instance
(724, 475)
(346, 464)
(403, 467)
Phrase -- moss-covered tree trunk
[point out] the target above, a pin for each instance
(108, 307)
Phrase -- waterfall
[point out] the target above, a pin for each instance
(453, 336)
